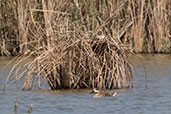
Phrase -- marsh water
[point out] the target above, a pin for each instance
(156, 98)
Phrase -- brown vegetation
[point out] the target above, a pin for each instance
(143, 25)
(83, 43)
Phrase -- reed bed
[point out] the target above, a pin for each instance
(69, 49)
(83, 43)
(142, 25)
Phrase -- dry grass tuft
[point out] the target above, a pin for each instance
(73, 44)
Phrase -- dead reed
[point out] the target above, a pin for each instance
(71, 44)
(151, 25)
(142, 25)
(83, 43)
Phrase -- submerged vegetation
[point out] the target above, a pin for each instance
(81, 43)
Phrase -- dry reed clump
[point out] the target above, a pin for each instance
(79, 63)
(72, 47)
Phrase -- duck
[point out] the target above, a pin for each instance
(102, 94)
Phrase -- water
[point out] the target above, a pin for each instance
(156, 98)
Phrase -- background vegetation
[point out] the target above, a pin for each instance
(144, 26)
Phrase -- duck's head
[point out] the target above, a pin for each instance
(95, 91)
(114, 94)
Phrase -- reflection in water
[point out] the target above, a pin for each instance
(155, 99)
